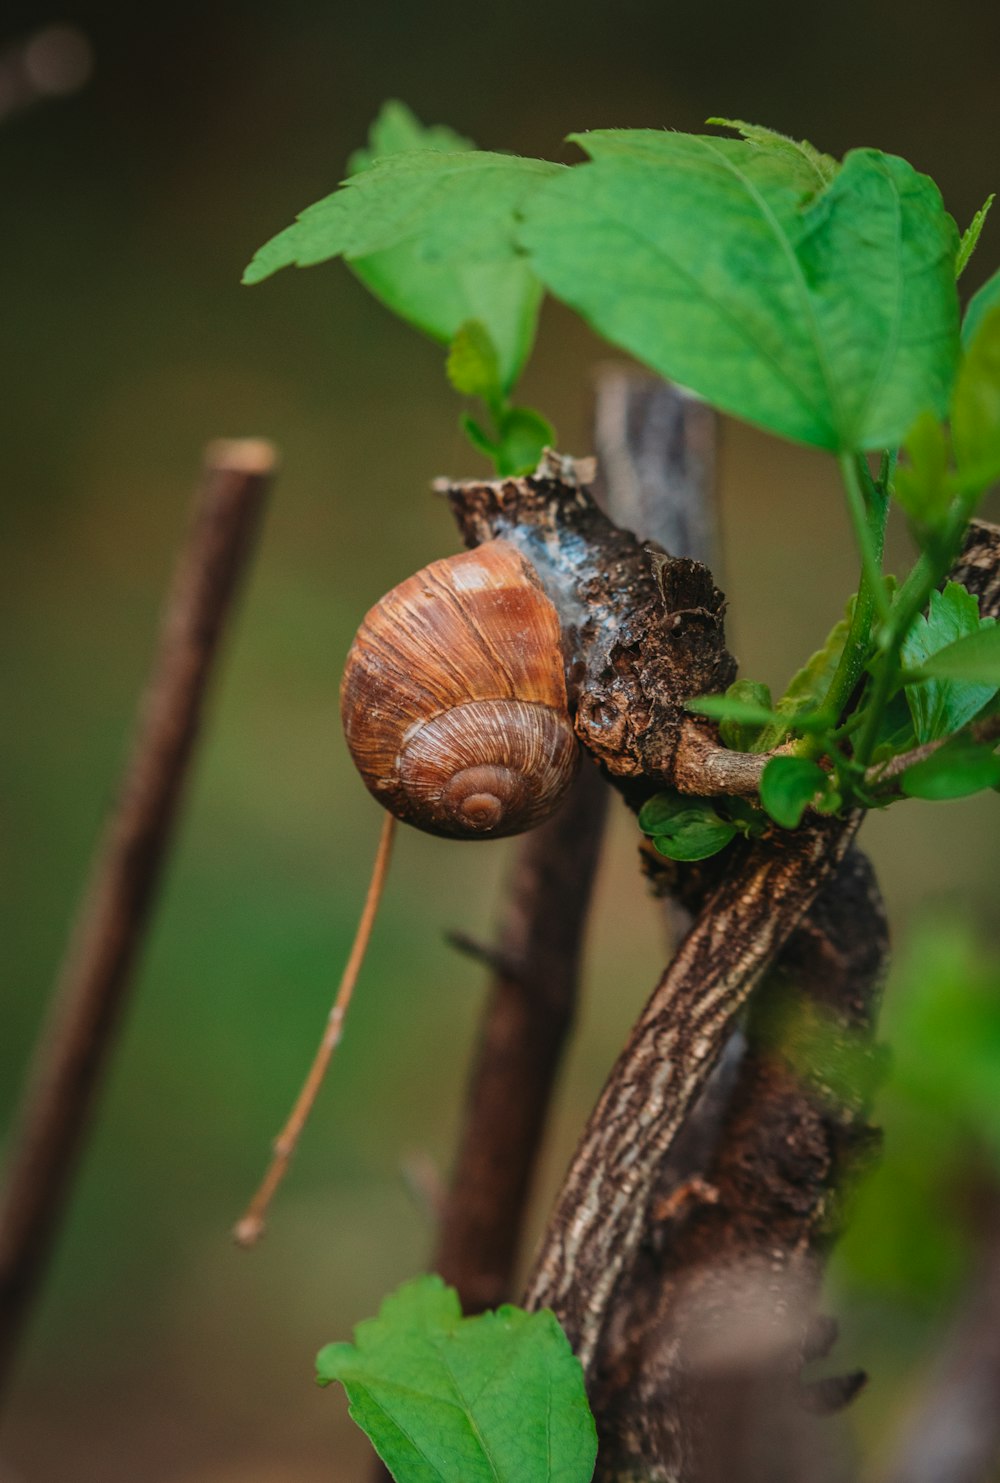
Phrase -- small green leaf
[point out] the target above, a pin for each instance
(431, 234)
(826, 313)
(494, 1399)
(953, 771)
(943, 699)
(737, 734)
(788, 786)
(980, 305)
(397, 130)
(478, 437)
(473, 367)
(970, 236)
(684, 828)
(975, 411)
(749, 820)
(921, 486)
(974, 659)
(524, 434)
(808, 688)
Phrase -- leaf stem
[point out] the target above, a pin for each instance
(924, 576)
(869, 510)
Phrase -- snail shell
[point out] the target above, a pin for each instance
(454, 698)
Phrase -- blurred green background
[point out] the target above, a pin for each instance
(129, 210)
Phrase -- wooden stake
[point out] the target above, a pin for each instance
(93, 984)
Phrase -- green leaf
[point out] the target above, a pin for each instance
(431, 234)
(808, 689)
(953, 771)
(750, 821)
(980, 305)
(684, 828)
(737, 734)
(473, 367)
(478, 437)
(975, 659)
(397, 130)
(524, 433)
(922, 487)
(955, 690)
(788, 786)
(975, 411)
(828, 315)
(798, 151)
(970, 236)
(446, 1399)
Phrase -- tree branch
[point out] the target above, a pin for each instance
(722, 1298)
(633, 679)
(740, 1255)
(656, 452)
(666, 496)
(75, 1046)
(598, 1222)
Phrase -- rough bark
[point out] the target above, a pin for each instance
(738, 1252)
(642, 636)
(721, 1302)
(598, 1222)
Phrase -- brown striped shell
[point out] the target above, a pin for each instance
(454, 698)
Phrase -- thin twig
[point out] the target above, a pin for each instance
(75, 1045)
(707, 770)
(249, 1229)
(984, 732)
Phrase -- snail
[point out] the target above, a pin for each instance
(454, 698)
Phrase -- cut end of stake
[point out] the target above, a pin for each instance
(248, 1231)
(242, 456)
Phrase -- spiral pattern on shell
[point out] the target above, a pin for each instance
(454, 698)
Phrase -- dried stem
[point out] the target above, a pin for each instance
(249, 1229)
(93, 983)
